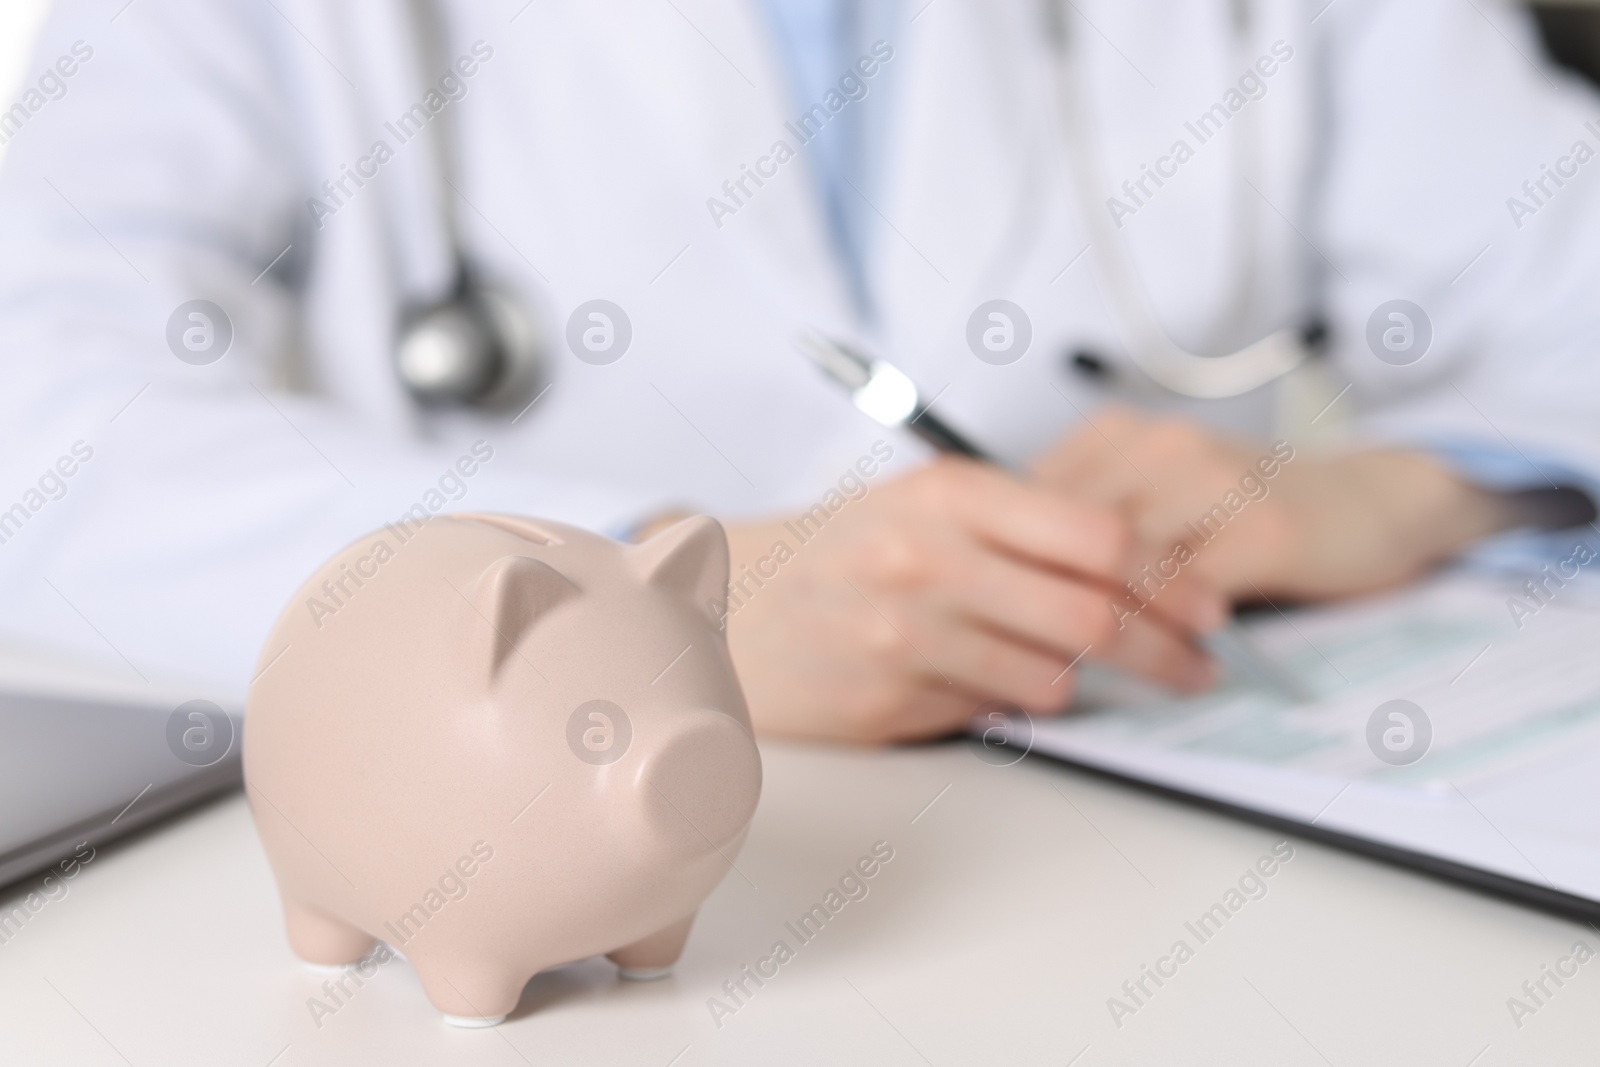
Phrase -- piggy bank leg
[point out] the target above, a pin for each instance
(473, 994)
(321, 940)
(653, 957)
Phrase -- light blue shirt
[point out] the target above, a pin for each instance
(1508, 470)
(820, 40)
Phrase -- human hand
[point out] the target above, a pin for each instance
(1266, 520)
(933, 593)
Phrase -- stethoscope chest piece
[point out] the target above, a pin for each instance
(478, 347)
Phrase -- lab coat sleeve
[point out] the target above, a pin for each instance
(154, 513)
(1462, 175)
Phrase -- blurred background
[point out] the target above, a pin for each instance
(19, 23)
(1571, 31)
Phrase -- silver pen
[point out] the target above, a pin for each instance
(888, 396)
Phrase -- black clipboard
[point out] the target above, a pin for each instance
(1543, 898)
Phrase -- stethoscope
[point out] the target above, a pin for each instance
(1148, 345)
(478, 346)
(468, 343)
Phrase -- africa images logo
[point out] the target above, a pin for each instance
(1399, 732)
(599, 732)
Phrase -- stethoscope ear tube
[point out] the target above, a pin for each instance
(1148, 345)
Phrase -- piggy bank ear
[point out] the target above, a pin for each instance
(690, 559)
(511, 595)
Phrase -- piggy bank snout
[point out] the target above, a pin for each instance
(700, 786)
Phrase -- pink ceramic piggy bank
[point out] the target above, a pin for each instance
(501, 744)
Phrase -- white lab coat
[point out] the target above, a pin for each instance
(180, 160)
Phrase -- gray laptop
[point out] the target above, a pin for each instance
(90, 770)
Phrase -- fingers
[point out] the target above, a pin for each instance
(1166, 470)
(1046, 622)
(1097, 462)
(933, 711)
(952, 586)
(1179, 486)
(1063, 609)
(1024, 521)
(1005, 612)
(1042, 608)
(937, 710)
(990, 666)
(1147, 648)
(1176, 595)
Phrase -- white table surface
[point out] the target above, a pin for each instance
(1018, 901)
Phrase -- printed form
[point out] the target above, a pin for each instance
(1444, 720)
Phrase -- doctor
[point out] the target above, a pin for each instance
(233, 236)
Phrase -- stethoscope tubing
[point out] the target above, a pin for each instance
(1149, 347)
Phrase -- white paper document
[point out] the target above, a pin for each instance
(1495, 684)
